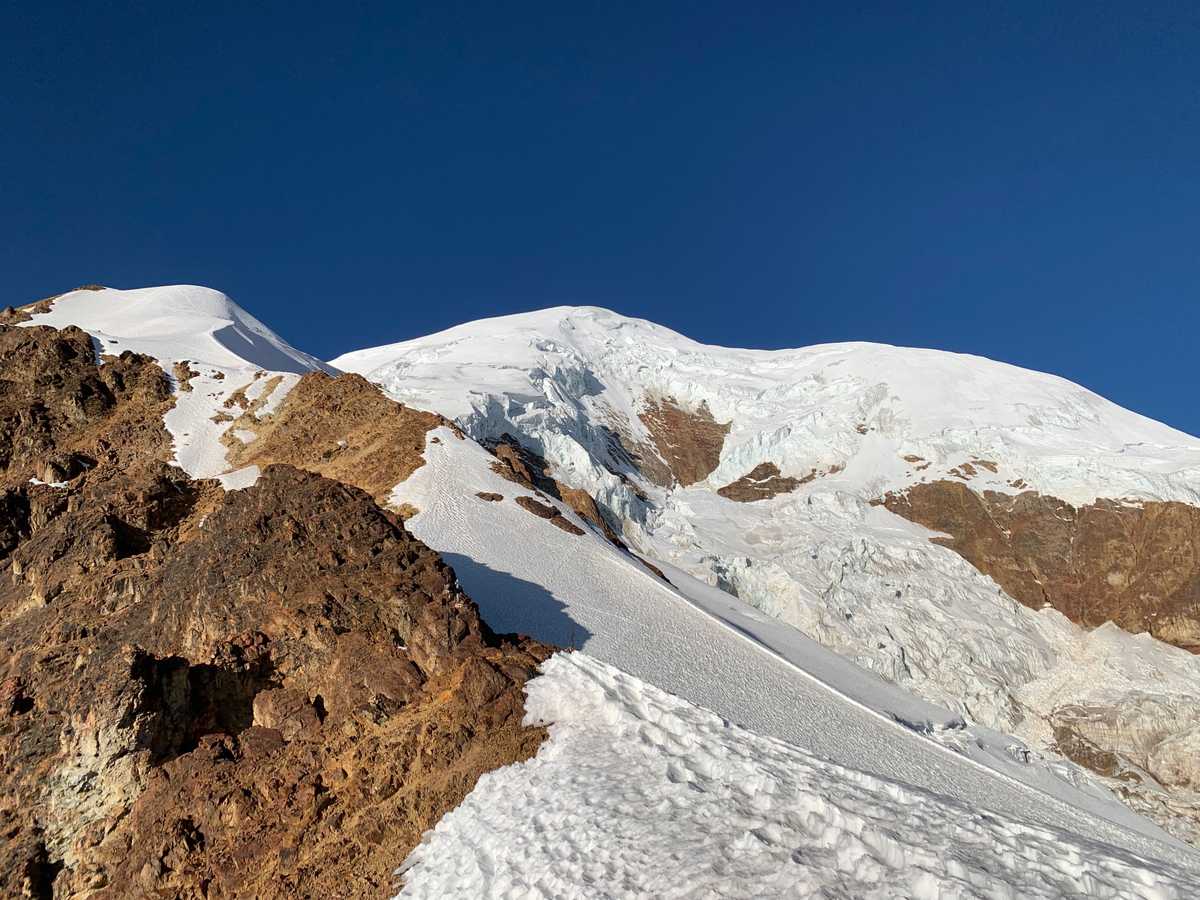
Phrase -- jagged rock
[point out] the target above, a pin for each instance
(550, 514)
(760, 483)
(524, 467)
(60, 412)
(197, 687)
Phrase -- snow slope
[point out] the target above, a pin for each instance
(638, 793)
(855, 577)
(708, 648)
(228, 348)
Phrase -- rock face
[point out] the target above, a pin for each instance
(267, 692)
(760, 483)
(60, 413)
(343, 428)
(524, 467)
(689, 443)
(549, 513)
(1135, 565)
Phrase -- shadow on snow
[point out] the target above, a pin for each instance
(511, 604)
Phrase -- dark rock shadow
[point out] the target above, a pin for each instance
(510, 604)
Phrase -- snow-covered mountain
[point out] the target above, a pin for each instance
(569, 376)
(176, 324)
(657, 427)
(762, 641)
(210, 346)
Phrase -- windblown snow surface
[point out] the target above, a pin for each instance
(227, 348)
(640, 794)
(851, 575)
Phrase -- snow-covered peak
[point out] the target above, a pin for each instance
(212, 349)
(840, 426)
(563, 377)
(175, 323)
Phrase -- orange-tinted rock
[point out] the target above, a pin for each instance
(688, 442)
(760, 483)
(342, 427)
(270, 692)
(1136, 565)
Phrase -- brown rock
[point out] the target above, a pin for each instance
(522, 466)
(290, 712)
(342, 427)
(199, 689)
(60, 413)
(586, 507)
(552, 515)
(565, 524)
(541, 510)
(688, 443)
(1137, 565)
(760, 483)
(184, 374)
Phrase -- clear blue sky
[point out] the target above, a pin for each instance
(1016, 180)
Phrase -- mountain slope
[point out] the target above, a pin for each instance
(538, 557)
(708, 648)
(217, 353)
(669, 435)
(196, 685)
(577, 371)
(706, 809)
(176, 323)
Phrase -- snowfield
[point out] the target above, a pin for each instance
(638, 793)
(180, 322)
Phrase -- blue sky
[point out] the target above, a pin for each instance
(1013, 180)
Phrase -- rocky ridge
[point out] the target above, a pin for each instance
(197, 685)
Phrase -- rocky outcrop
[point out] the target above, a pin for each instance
(760, 483)
(688, 442)
(60, 413)
(765, 481)
(342, 427)
(266, 692)
(549, 513)
(1137, 565)
(522, 466)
